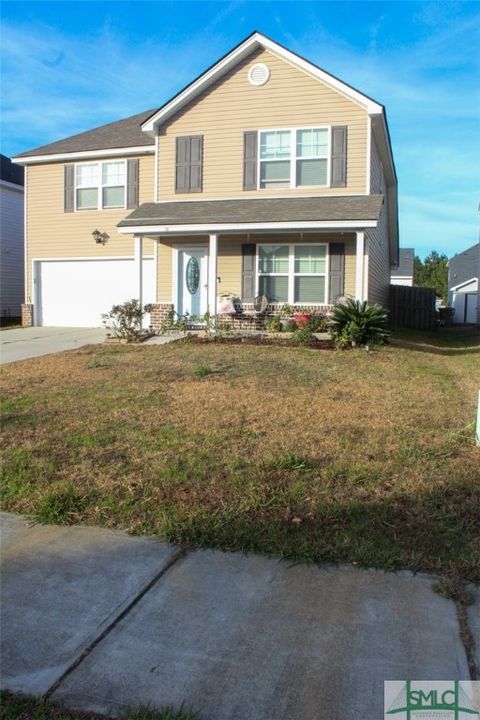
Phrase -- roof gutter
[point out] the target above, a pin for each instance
(85, 154)
(206, 228)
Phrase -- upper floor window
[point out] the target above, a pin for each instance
(100, 185)
(294, 158)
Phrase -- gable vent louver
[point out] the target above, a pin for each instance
(258, 74)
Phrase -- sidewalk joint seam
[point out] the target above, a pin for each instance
(177, 555)
(467, 639)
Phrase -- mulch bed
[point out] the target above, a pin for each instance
(314, 344)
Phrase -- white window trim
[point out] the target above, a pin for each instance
(293, 155)
(99, 165)
(292, 274)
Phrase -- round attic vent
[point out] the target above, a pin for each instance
(258, 74)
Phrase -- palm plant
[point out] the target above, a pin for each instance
(357, 323)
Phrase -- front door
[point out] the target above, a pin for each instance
(192, 281)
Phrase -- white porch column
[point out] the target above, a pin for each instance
(212, 274)
(359, 270)
(138, 240)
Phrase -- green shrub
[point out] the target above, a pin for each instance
(355, 323)
(303, 335)
(125, 321)
(273, 324)
(319, 323)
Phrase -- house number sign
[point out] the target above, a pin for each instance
(192, 275)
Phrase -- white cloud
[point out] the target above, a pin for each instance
(55, 85)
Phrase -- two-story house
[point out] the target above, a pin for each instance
(265, 176)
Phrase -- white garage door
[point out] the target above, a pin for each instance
(75, 293)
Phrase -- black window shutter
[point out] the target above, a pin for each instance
(339, 156)
(132, 183)
(337, 271)
(69, 188)
(196, 161)
(189, 164)
(182, 164)
(250, 144)
(248, 272)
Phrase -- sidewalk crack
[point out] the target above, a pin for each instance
(177, 555)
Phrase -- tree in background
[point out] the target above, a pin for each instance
(432, 272)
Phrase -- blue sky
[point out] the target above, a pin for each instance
(70, 66)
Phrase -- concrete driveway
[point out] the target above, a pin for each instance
(23, 343)
(102, 621)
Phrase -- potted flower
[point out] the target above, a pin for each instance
(302, 317)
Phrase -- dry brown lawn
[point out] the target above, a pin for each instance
(315, 455)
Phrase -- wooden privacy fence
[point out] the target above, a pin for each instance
(412, 307)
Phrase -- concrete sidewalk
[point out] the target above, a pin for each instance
(101, 621)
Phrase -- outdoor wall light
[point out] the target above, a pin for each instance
(100, 237)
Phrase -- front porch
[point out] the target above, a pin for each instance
(195, 273)
(298, 262)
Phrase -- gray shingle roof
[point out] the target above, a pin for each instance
(464, 266)
(119, 134)
(405, 263)
(256, 210)
(10, 172)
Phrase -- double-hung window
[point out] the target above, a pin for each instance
(100, 185)
(273, 272)
(294, 274)
(312, 157)
(275, 153)
(294, 157)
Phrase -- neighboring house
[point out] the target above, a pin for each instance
(463, 285)
(403, 273)
(11, 240)
(266, 175)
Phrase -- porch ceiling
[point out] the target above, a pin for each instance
(361, 210)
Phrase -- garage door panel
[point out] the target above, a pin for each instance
(465, 304)
(75, 293)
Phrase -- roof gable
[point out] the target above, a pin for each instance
(255, 41)
(464, 266)
(278, 103)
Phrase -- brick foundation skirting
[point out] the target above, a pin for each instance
(159, 313)
(27, 315)
(247, 319)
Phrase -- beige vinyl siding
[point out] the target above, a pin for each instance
(229, 264)
(379, 261)
(291, 98)
(53, 233)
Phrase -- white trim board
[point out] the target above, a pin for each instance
(208, 228)
(85, 154)
(455, 288)
(257, 40)
(63, 258)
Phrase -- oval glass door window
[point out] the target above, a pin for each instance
(192, 275)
